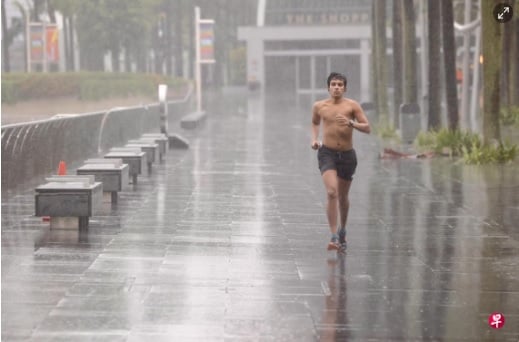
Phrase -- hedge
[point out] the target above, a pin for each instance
(17, 87)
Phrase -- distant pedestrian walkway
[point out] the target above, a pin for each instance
(227, 241)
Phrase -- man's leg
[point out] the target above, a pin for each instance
(344, 206)
(331, 185)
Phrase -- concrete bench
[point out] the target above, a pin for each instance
(193, 120)
(111, 172)
(151, 148)
(69, 200)
(135, 158)
(159, 138)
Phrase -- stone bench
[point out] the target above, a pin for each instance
(134, 157)
(193, 120)
(151, 149)
(111, 172)
(69, 200)
(160, 139)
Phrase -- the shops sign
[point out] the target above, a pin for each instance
(340, 18)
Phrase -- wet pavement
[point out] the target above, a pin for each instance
(226, 241)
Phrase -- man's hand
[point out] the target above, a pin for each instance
(342, 120)
(316, 144)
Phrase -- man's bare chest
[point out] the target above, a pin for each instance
(331, 114)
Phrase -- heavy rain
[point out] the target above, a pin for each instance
(260, 170)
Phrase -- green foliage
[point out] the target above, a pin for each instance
(9, 94)
(486, 154)
(510, 116)
(446, 141)
(467, 145)
(83, 85)
(386, 131)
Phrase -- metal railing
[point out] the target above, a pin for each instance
(34, 149)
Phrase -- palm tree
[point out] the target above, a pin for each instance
(449, 61)
(492, 51)
(380, 67)
(433, 20)
(5, 48)
(397, 58)
(409, 33)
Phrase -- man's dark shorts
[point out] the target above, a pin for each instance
(345, 162)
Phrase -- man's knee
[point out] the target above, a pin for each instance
(332, 193)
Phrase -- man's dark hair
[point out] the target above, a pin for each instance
(336, 76)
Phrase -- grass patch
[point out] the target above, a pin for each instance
(490, 154)
(17, 87)
(466, 145)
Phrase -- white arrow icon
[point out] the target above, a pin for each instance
(500, 16)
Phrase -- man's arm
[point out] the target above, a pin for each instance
(316, 121)
(361, 123)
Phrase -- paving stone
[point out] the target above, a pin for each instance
(226, 241)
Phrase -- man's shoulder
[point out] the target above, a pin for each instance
(321, 103)
(351, 101)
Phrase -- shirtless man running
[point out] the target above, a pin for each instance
(336, 156)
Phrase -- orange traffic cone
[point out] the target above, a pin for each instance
(62, 168)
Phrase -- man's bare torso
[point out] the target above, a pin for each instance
(337, 134)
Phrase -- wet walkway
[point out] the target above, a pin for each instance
(226, 242)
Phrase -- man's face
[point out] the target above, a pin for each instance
(336, 88)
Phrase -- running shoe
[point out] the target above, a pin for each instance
(334, 244)
(342, 238)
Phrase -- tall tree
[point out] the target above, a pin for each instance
(177, 37)
(434, 84)
(69, 9)
(397, 59)
(409, 28)
(514, 84)
(449, 61)
(510, 73)
(5, 48)
(379, 10)
(492, 46)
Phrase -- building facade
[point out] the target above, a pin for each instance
(297, 43)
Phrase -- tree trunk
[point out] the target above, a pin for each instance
(410, 83)
(510, 67)
(380, 59)
(72, 43)
(492, 45)
(36, 10)
(115, 56)
(514, 84)
(6, 67)
(91, 59)
(141, 56)
(449, 61)
(506, 75)
(127, 60)
(167, 37)
(51, 11)
(373, 74)
(191, 25)
(397, 60)
(434, 84)
(66, 42)
(179, 63)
